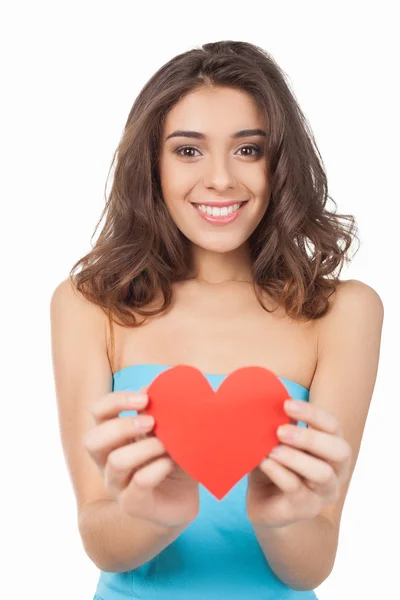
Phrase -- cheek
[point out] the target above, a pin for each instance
(259, 182)
(262, 188)
(176, 184)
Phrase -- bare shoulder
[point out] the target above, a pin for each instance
(352, 290)
(352, 300)
(66, 289)
(67, 300)
(66, 292)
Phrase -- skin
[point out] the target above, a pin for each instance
(307, 471)
(216, 169)
(304, 473)
(295, 496)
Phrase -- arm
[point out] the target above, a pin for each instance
(117, 542)
(111, 538)
(303, 553)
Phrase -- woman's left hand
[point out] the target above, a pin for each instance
(305, 474)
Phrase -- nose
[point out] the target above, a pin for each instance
(219, 174)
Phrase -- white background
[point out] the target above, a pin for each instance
(71, 72)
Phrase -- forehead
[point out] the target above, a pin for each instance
(214, 112)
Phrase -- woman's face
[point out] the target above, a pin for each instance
(215, 167)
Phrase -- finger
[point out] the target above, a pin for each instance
(319, 475)
(143, 390)
(282, 477)
(110, 405)
(323, 445)
(123, 462)
(315, 416)
(111, 434)
(153, 474)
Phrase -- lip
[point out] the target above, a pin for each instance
(220, 220)
(220, 204)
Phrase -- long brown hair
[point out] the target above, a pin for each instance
(297, 250)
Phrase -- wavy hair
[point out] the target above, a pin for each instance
(297, 250)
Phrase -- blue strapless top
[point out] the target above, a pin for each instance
(218, 556)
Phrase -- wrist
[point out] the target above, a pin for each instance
(278, 526)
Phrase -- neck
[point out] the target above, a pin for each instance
(218, 267)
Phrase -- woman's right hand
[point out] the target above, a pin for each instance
(137, 471)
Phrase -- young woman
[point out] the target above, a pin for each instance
(218, 252)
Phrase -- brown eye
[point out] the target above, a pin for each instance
(179, 150)
(257, 150)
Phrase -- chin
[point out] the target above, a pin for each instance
(216, 243)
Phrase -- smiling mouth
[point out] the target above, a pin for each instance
(216, 211)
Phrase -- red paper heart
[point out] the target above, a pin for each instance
(217, 437)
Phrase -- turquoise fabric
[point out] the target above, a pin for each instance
(218, 556)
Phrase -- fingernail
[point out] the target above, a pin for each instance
(293, 405)
(139, 398)
(276, 450)
(288, 433)
(146, 421)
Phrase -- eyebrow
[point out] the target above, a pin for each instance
(201, 136)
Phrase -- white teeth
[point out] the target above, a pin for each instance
(218, 212)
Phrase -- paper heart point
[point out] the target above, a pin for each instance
(217, 437)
